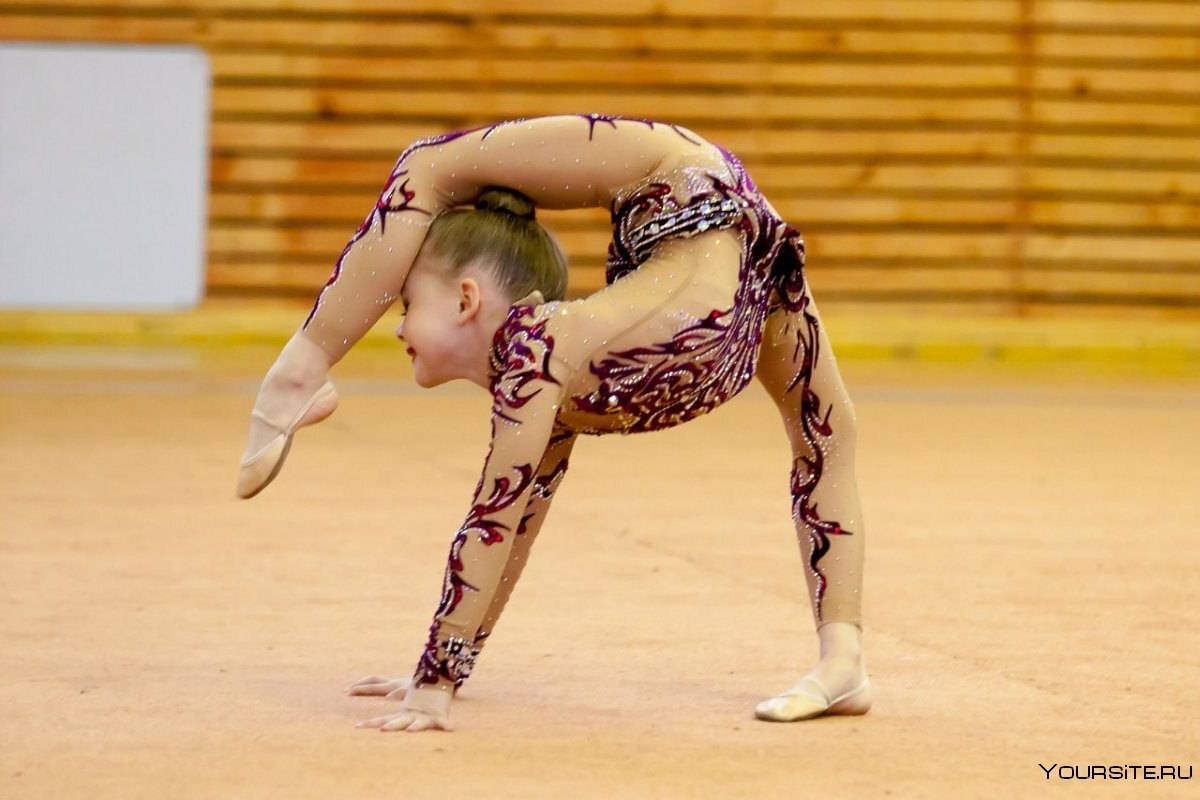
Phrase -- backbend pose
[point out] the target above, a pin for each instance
(705, 290)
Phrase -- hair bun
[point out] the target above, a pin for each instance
(497, 198)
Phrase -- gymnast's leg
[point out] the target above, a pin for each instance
(797, 367)
(367, 278)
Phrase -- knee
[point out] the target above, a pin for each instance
(828, 425)
(844, 427)
(844, 420)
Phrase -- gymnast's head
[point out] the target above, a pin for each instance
(473, 265)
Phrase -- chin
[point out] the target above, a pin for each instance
(425, 380)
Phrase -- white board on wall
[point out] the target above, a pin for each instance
(103, 176)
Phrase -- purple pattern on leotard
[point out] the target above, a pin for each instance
(520, 354)
(503, 494)
(546, 482)
(455, 655)
(608, 119)
(384, 206)
(546, 485)
(807, 469)
(792, 296)
(672, 382)
(711, 360)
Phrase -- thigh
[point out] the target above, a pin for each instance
(798, 369)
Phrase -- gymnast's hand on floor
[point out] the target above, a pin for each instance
(391, 688)
(423, 709)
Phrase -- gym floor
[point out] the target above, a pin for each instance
(1031, 596)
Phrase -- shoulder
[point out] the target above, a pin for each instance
(527, 354)
(547, 323)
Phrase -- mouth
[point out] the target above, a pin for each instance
(411, 353)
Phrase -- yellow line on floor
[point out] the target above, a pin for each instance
(1171, 344)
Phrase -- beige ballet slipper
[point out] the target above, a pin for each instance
(802, 703)
(260, 469)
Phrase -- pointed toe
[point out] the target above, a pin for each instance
(260, 469)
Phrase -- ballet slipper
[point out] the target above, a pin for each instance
(802, 703)
(261, 468)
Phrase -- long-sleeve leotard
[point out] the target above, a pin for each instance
(697, 262)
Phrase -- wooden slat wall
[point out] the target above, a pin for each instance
(1018, 155)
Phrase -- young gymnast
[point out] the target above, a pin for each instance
(705, 290)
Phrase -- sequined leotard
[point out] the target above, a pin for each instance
(698, 263)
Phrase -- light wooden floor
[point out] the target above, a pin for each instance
(1032, 591)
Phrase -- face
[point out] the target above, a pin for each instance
(428, 329)
(447, 325)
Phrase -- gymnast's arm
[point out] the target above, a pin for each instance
(546, 480)
(523, 422)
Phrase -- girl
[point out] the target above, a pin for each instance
(705, 290)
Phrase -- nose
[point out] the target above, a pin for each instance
(400, 331)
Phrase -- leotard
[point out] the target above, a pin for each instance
(697, 260)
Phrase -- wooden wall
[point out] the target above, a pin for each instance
(1013, 155)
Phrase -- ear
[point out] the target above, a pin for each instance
(470, 298)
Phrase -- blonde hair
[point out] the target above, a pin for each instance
(503, 234)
